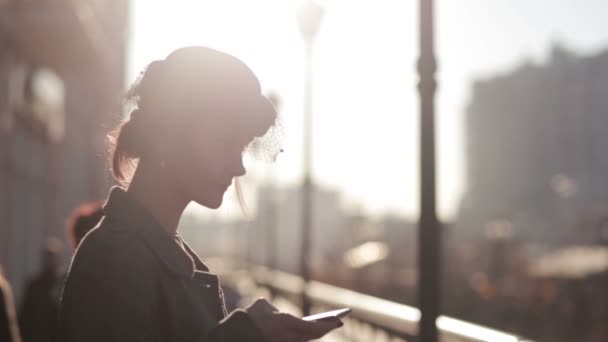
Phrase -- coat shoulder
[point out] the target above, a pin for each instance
(112, 248)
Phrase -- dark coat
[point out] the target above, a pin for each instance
(132, 281)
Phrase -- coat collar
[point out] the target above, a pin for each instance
(123, 207)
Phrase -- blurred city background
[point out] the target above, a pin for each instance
(521, 114)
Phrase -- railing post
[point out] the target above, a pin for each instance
(429, 234)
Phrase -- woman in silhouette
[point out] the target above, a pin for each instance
(133, 278)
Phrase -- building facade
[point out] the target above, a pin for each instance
(61, 75)
(536, 159)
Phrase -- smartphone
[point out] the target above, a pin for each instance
(328, 315)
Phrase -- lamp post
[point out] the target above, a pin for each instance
(429, 235)
(309, 20)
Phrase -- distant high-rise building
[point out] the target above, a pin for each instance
(537, 165)
(61, 75)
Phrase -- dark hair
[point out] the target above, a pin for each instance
(84, 218)
(166, 87)
(125, 142)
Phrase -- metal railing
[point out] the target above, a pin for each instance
(372, 318)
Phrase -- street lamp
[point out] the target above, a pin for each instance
(309, 20)
(429, 235)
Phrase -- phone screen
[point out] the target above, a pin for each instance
(328, 314)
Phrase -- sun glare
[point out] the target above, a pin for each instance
(364, 87)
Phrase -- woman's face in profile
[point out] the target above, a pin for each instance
(206, 158)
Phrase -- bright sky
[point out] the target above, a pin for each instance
(365, 99)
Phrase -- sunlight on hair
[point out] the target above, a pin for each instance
(265, 35)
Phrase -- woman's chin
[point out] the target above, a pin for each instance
(211, 203)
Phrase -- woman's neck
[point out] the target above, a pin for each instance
(157, 196)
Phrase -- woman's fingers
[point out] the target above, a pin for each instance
(283, 327)
(264, 305)
(309, 329)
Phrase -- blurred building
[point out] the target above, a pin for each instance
(279, 211)
(61, 75)
(536, 152)
(275, 231)
(374, 255)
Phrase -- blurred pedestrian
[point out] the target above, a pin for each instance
(84, 218)
(39, 310)
(9, 331)
(133, 278)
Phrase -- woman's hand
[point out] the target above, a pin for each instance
(282, 327)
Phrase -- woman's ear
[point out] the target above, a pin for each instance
(160, 147)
